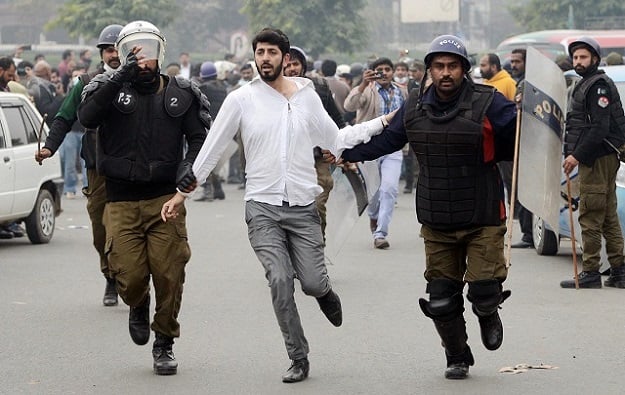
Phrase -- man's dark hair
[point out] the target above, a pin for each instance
(328, 67)
(380, 61)
(245, 67)
(67, 54)
(417, 65)
(6, 62)
(521, 51)
(493, 60)
(273, 37)
(401, 64)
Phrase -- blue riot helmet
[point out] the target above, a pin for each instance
(448, 44)
(208, 70)
(108, 36)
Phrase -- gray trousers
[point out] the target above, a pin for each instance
(289, 244)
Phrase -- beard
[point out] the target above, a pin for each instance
(147, 76)
(488, 75)
(269, 75)
(579, 69)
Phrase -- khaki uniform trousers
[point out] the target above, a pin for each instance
(325, 181)
(597, 212)
(465, 255)
(95, 191)
(139, 245)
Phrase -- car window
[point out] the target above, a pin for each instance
(22, 130)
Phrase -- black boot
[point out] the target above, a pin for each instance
(617, 277)
(110, 293)
(446, 308)
(139, 322)
(164, 361)
(218, 192)
(457, 352)
(331, 306)
(207, 193)
(586, 279)
(297, 372)
(486, 296)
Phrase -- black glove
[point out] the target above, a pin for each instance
(128, 71)
(185, 179)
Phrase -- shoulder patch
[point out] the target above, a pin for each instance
(603, 101)
(126, 101)
(94, 84)
(178, 99)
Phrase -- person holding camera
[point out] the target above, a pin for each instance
(377, 95)
(594, 125)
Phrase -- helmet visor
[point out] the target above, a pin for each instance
(150, 48)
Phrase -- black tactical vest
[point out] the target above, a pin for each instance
(142, 140)
(455, 189)
(577, 121)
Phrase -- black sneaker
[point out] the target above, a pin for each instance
(617, 277)
(331, 306)
(585, 279)
(16, 229)
(297, 372)
(5, 233)
(139, 322)
(165, 363)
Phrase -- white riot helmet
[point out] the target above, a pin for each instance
(144, 34)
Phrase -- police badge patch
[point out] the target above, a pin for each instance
(603, 102)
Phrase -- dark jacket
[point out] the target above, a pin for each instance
(595, 115)
(142, 133)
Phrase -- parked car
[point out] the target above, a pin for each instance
(29, 192)
(545, 239)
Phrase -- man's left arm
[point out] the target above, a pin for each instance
(502, 116)
(195, 131)
(392, 138)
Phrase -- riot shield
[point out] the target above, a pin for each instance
(540, 147)
(348, 200)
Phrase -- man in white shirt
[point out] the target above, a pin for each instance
(185, 65)
(280, 120)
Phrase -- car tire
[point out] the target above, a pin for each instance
(545, 241)
(40, 222)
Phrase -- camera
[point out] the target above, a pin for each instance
(378, 74)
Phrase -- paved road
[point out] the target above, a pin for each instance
(57, 338)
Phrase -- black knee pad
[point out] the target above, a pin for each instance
(446, 300)
(486, 296)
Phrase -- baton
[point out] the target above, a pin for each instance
(568, 191)
(515, 161)
(43, 121)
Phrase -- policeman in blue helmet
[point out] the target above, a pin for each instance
(458, 130)
(594, 141)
